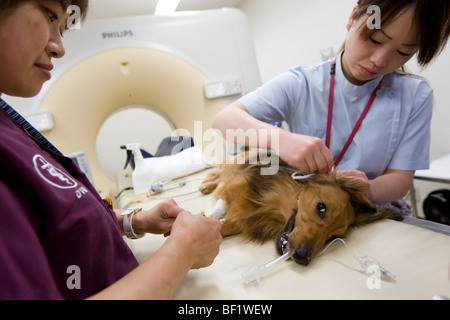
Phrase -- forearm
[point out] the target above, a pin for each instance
(238, 126)
(155, 279)
(194, 243)
(391, 186)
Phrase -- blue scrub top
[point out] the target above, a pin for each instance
(394, 135)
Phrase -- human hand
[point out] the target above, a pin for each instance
(308, 154)
(200, 236)
(157, 220)
(361, 179)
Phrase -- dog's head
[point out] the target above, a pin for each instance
(327, 206)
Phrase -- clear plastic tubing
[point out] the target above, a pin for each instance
(255, 274)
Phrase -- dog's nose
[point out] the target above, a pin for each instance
(301, 256)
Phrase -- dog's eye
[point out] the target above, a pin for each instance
(321, 209)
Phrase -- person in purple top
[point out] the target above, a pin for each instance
(58, 238)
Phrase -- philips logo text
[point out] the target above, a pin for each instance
(118, 34)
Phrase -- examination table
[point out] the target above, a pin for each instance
(415, 251)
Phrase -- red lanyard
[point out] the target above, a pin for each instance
(360, 120)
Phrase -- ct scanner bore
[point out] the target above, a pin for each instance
(130, 124)
(87, 94)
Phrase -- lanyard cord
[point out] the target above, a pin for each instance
(358, 123)
(27, 127)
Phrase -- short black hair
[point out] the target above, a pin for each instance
(82, 4)
(432, 22)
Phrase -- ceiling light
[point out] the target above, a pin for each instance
(166, 7)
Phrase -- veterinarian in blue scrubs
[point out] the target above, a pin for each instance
(359, 111)
(58, 238)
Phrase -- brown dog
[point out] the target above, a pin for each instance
(302, 215)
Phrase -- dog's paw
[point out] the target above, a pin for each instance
(207, 188)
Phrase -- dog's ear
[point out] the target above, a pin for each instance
(365, 211)
(380, 213)
(355, 191)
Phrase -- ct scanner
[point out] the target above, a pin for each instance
(172, 71)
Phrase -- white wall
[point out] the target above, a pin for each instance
(293, 32)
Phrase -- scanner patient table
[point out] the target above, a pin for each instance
(419, 258)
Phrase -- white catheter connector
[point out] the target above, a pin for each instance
(255, 274)
(371, 265)
(368, 263)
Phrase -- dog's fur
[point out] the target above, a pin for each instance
(302, 215)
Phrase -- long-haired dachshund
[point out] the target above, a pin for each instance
(301, 215)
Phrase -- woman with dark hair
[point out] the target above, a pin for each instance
(58, 238)
(358, 112)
